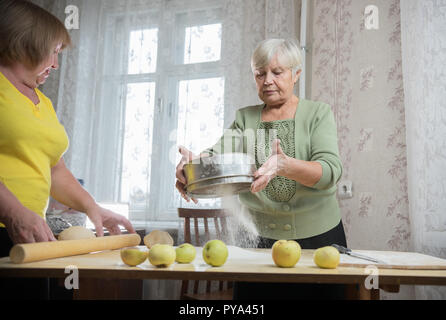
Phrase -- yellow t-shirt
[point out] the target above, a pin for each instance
(31, 142)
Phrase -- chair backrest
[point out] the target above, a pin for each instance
(219, 217)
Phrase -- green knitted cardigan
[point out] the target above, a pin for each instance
(308, 211)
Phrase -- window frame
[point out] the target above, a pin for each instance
(170, 70)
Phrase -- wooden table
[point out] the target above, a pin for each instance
(254, 265)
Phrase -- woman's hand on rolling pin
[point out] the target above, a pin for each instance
(26, 226)
(274, 166)
(102, 217)
(186, 156)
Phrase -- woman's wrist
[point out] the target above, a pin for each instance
(90, 207)
(286, 166)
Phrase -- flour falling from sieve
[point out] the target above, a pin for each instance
(242, 231)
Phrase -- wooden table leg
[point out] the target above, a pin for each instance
(375, 294)
(367, 294)
(360, 292)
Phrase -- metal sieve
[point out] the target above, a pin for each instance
(220, 175)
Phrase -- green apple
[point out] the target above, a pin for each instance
(286, 253)
(133, 256)
(215, 253)
(162, 255)
(185, 253)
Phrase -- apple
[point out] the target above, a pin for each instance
(327, 257)
(133, 256)
(215, 253)
(286, 253)
(185, 253)
(162, 255)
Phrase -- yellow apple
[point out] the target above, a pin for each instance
(162, 255)
(215, 253)
(133, 256)
(286, 253)
(327, 257)
(185, 253)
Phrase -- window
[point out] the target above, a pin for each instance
(200, 111)
(143, 50)
(137, 143)
(202, 43)
(165, 84)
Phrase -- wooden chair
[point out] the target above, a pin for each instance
(219, 217)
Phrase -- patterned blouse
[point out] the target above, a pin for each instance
(279, 189)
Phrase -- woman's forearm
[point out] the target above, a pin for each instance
(23, 225)
(67, 190)
(307, 173)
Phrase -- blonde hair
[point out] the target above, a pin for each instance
(288, 54)
(28, 33)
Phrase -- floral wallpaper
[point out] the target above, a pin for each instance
(358, 71)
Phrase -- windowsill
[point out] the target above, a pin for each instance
(148, 226)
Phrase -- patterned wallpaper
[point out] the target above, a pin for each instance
(359, 73)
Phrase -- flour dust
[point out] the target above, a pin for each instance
(242, 231)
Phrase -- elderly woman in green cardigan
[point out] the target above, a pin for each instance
(293, 195)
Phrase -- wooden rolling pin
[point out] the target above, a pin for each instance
(29, 252)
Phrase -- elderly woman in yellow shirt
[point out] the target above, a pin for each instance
(32, 141)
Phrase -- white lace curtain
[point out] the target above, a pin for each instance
(423, 33)
(90, 95)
